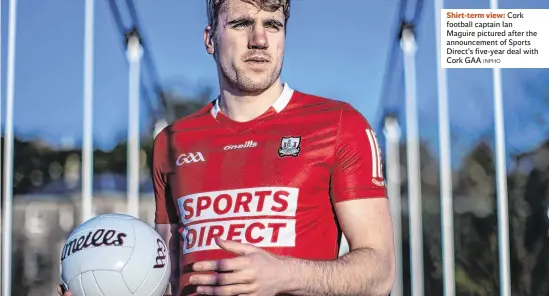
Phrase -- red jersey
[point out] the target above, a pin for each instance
(271, 182)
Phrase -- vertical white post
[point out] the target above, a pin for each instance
(392, 136)
(501, 181)
(87, 145)
(408, 45)
(134, 54)
(8, 154)
(446, 194)
(1, 96)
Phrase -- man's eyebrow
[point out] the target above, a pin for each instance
(273, 21)
(240, 20)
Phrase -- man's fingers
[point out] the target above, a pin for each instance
(230, 290)
(220, 279)
(231, 264)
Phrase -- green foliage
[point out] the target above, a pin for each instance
(475, 223)
(36, 163)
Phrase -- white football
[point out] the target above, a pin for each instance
(115, 255)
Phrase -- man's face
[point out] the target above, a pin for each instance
(248, 45)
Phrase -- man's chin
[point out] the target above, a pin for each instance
(253, 88)
(254, 84)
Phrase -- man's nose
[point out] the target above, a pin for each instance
(258, 38)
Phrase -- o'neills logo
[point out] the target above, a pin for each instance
(94, 238)
(263, 216)
(247, 144)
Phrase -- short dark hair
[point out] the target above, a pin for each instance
(214, 6)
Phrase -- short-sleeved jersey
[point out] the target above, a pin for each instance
(271, 182)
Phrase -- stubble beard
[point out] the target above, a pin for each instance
(242, 80)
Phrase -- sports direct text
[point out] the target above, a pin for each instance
(263, 216)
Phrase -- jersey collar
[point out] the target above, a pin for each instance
(278, 105)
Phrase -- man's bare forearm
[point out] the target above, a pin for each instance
(174, 274)
(362, 272)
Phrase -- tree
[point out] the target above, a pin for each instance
(530, 222)
(182, 105)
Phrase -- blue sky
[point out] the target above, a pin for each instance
(334, 50)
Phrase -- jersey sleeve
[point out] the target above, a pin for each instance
(166, 211)
(357, 171)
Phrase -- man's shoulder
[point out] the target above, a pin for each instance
(326, 111)
(319, 104)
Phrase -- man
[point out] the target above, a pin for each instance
(254, 190)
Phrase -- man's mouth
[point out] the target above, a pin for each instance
(257, 60)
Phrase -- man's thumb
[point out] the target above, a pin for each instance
(235, 247)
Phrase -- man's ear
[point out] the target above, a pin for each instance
(208, 40)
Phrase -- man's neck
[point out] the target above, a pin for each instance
(244, 107)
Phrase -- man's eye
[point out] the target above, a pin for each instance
(273, 25)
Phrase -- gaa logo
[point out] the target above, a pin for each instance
(189, 158)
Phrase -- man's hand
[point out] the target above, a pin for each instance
(255, 272)
(62, 291)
